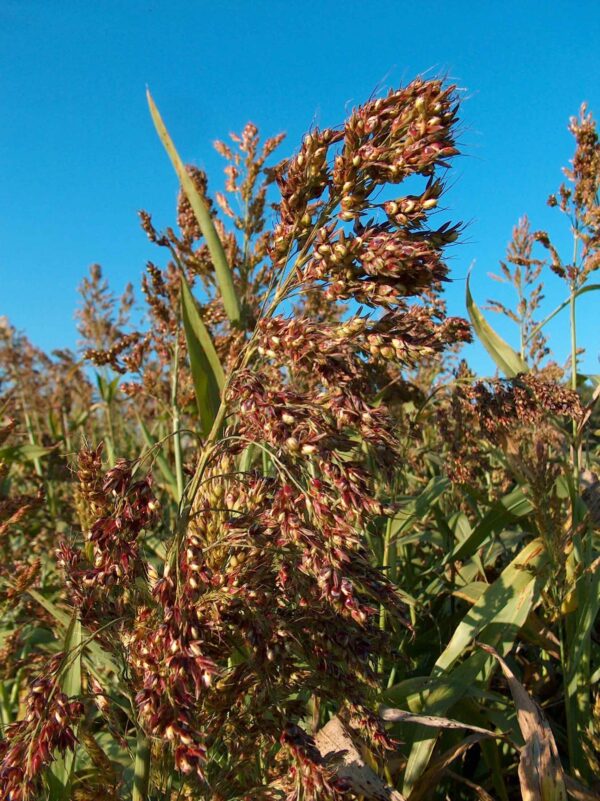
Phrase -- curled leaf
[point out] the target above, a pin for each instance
(540, 771)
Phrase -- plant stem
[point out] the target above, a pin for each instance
(109, 438)
(573, 317)
(176, 423)
(578, 626)
(141, 776)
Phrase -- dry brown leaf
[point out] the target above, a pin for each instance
(579, 792)
(540, 771)
(400, 716)
(333, 739)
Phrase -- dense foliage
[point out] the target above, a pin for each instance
(273, 538)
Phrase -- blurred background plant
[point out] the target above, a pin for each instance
(275, 517)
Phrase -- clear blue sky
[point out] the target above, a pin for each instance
(79, 155)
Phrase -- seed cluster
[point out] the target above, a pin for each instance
(100, 575)
(268, 599)
(29, 745)
(501, 411)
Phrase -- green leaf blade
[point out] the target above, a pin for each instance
(508, 508)
(222, 270)
(153, 445)
(559, 308)
(99, 659)
(495, 619)
(207, 370)
(505, 358)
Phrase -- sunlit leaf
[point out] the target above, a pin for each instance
(99, 658)
(509, 508)
(207, 371)
(559, 308)
(199, 207)
(496, 618)
(506, 359)
(23, 453)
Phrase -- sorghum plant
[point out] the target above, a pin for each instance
(265, 612)
(283, 504)
(270, 603)
(579, 201)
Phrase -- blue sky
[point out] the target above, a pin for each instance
(79, 155)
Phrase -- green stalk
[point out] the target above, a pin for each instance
(141, 776)
(65, 428)
(573, 321)
(31, 434)
(176, 423)
(521, 321)
(573, 318)
(5, 706)
(178, 453)
(571, 709)
(109, 438)
(576, 656)
(386, 563)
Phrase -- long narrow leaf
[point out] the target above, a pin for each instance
(23, 452)
(141, 771)
(540, 771)
(420, 506)
(559, 308)
(496, 604)
(432, 721)
(578, 666)
(207, 371)
(507, 359)
(511, 506)
(215, 247)
(162, 463)
(495, 619)
(98, 656)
